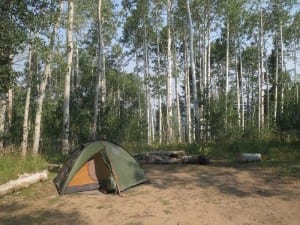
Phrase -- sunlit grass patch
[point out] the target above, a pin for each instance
(164, 202)
(13, 165)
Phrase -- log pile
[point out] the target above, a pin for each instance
(23, 181)
(170, 157)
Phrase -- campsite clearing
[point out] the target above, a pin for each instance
(176, 194)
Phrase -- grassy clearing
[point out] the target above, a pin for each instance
(13, 164)
(283, 157)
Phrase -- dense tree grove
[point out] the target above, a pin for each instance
(147, 72)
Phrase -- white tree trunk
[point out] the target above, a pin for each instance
(100, 87)
(77, 75)
(192, 65)
(282, 69)
(179, 134)
(27, 104)
(282, 100)
(2, 118)
(160, 132)
(267, 91)
(259, 95)
(261, 74)
(208, 88)
(295, 74)
(147, 89)
(9, 107)
(188, 119)
(40, 100)
(66, 119)
(238, 95)
(227, 69)
(242, 90)
(42, 89)
(169, 77)
(96, 107)
(152, 125)
(276, 86)
(208, 66)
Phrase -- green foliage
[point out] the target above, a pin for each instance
(121, 119)
(18, 20)
(290, 120)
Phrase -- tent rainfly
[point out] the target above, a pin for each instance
(99, 165)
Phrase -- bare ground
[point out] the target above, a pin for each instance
(176, 194)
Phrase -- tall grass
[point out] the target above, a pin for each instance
(274, 153)
(13, 164)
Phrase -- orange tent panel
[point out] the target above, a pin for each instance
(91, 172)
(82, 177)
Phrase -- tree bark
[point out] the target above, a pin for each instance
(42, 89)
(169, 76)
(296, 81)
(2, 118)
(66, 119)
(9, 108)
(242, 88)
(100, 87)
(147, 89)
(238, 95)
(27, 104)
(276, 86)
(261, 116)
(188, 119)
(160, 132)
(192, 65)
(282, 70)
(227, 70)
(179, 133)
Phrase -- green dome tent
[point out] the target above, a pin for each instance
(99, 165)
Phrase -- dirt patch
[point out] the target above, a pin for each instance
(175, 194)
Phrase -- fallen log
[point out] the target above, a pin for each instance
(250, 157)
(195, 159)
(159, 154)
(23, 181)
(170, 157)
(173, 154)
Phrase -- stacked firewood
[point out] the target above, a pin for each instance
(170, 157)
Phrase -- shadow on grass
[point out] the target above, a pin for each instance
(17, 214)
(235, 180)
